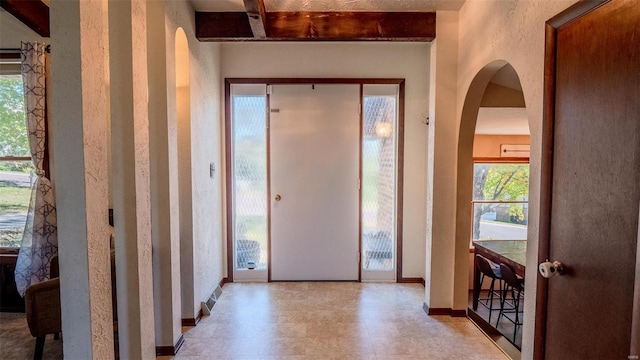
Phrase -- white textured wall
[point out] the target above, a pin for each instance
(513, 31)
(440, 184)
(128, 79)
(12, 32)
(205, 82)
(359, 60)
(165, 226)
(79, 103)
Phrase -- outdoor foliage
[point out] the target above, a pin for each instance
(10, 237)
(14, 188)
(13, 137)
(500, 182)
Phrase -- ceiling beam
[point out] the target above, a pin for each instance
(223, 26)
(321, 26)
(402, 26)
(256, 13)
(33, 13)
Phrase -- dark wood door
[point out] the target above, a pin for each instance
(593, 163)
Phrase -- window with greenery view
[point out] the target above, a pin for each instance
(16, 169)
(500, 201)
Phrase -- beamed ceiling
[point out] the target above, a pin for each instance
(33, 13)
(333, 5)
(318, 20)
(290, 20)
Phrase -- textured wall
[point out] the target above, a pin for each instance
(204, 84)
(80, 103)
(359, 60)
(513, 31)
(178, 99)
(13, 32)
(128, 78)
(442, 152)
(165, 226)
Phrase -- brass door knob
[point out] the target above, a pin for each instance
(278, 197)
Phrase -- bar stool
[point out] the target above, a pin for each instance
(514, 285)
(486, 268)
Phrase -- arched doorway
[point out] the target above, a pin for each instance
(493, 189)
(183, 132)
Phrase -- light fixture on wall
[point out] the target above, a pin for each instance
(384, 129)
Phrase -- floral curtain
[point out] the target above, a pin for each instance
(40, 238)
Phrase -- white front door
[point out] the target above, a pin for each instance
(314, 140)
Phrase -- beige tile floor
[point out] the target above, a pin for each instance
(331, 321)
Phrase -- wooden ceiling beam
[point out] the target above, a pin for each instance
(33, 13)
(223, 26)
(403, 26)
(321, 26)
(256, 13)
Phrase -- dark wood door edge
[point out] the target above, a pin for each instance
(360, 176)
(228, 177)
(400, 182)
(551, 30)
(635, 327)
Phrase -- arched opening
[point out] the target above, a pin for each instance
(183, 125)
(493, 191)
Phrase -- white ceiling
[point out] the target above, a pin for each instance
(502, 121)
(332, 5)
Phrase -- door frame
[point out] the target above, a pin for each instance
(334, 81)
(552, 25)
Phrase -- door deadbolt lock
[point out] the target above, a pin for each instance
(278, 197)
(549, 269)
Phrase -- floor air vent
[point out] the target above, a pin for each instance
(207, 306)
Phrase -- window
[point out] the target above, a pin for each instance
(379, 183)
(16, 168)
(500, 201)
(249, 174)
